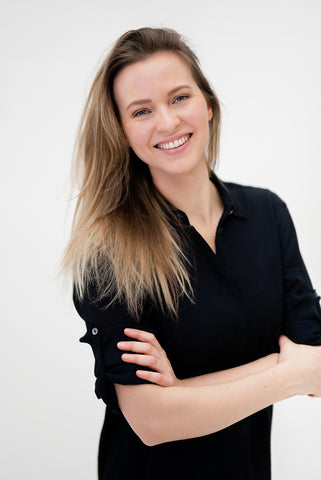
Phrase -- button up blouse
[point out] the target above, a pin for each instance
(252, 290)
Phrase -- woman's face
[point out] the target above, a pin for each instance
(164, 115)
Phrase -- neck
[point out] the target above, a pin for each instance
(194, 194)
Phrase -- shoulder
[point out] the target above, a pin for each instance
(253, 199)
(252, 193)
(263, 209)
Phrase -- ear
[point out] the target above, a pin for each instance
(209, 113)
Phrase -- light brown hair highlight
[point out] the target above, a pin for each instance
(124, 241)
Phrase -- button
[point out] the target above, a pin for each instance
(94, 331)
(231, 212)
(220, 230)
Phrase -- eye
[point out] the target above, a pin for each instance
(180, 98)
(141, 113)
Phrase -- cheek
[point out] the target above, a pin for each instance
(130, 135)
(200, 115)
(137, 137)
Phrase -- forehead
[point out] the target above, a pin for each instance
(155, 75)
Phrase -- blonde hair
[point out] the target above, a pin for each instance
(124, 245)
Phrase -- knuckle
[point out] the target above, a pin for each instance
(163, 356)
(148, 349)
(158, 378)
(153, 362)
(151, 337)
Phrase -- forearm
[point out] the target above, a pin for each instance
(147, 352)
(161, 415)
(233, 373)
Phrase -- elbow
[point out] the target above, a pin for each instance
(146, 412)
(148, 432)
(149, 440)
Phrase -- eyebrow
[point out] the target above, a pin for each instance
(148, 100)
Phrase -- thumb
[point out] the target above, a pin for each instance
(283, 340)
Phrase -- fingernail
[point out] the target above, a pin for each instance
(121, 344)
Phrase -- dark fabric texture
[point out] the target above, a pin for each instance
(253, 289)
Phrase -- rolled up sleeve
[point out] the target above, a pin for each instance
(302, 314)
(105, 328)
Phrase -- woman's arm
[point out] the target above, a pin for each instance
(302, 312)
(159, 415)
(234, 373)
(149, 353)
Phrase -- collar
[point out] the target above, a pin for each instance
(232, 200)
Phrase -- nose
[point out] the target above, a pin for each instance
(167, 120)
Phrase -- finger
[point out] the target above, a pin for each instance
(141, 335)
(283, 340)
(139, 347)
(143, 360)
(154, 377)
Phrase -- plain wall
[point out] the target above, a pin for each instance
(263, 59)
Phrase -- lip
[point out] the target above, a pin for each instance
(179, 149)
(172, 139)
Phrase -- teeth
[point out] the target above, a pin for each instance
(175, 144)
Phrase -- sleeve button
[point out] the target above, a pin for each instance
(94, 331)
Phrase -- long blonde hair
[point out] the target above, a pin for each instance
(123, 239)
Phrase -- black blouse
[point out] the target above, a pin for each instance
(253, 289)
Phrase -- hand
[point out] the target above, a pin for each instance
(304, 363)
(148, 353)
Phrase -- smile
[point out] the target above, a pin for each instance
(175, 144)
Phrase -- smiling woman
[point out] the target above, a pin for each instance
(170, 130)
(188, 285)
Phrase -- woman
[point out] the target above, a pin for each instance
(208, 270)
